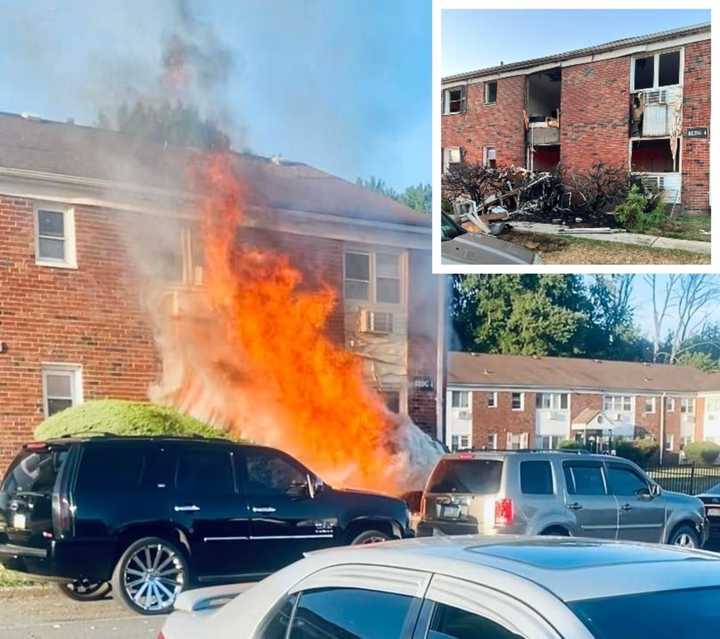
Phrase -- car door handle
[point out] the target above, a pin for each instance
(263, 509)
(575, 506)
(187, 509)
(626, 507)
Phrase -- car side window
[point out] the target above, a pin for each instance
(351, 612)
(623, 480)
(116, 469)
(277, 622)
(269, 473)
(204, 472)
(584, 479)
(536, 478)
(449, 622)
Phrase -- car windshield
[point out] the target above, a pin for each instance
(673, 614)
(478, 476)
(450, 229)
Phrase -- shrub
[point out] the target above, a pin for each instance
(121, 417)
(641, 210)
(702, 452)
(639, 451)
(570, 444)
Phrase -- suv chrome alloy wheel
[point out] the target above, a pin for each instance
(154, 577)
(684, 540)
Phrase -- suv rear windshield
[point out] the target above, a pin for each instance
(34, 471)
(478, 476)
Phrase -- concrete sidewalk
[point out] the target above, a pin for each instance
(621, 237)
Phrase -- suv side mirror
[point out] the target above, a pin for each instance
(655, 490)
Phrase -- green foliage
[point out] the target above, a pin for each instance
(702, 452)
(378, 185)
(122, 417)
(639, 450)
(641, 210)
(570, 444)
(166, 123)
(418, 198)
(703, 361)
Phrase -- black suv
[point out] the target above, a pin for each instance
(153, 516)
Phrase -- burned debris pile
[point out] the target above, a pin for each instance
(486, 195)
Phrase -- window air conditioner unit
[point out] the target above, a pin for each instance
(656, 182)
(658, 96)
(464, 414)
(380, 322)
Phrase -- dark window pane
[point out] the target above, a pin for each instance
(456, 100)
(51, 249)
(269, 473)
(623, 481)
(276, 625)
(116, 469)
(669, 69)
(563, 401)
(480, 476)
(356, 290)
(205, 472)
(491, 92)
(56, 405)
(51, 223)
(350, 613)
(449, 622)
(357, 266)
(587, 479)
(388, 290)
(644, 73)
(536, 478)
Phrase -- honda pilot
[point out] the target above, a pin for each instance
(151, 517)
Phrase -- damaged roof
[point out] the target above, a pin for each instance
(66, 149)
(587, 51)
(525, 371)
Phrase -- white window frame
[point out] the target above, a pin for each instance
(670, 406)
(486, 155)
(372, 274)
(68, 213)
(494, 399)
(616, 403)
(522, 402)
(460, 394)
(554, 401)
(687, 405)
(446, 100)
(447, 153)
(656, 69)
(651, 401)
(494, 438)
(74, 371)
(486, 91)
(464, 442)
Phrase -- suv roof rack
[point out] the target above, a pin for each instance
(566, 451)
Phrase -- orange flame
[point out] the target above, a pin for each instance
(260, 361)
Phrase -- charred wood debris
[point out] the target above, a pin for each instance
(488, 198)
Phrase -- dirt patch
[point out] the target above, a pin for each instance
(569, 251)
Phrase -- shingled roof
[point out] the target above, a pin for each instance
(521, 371)
(587, 51)
(66, 149)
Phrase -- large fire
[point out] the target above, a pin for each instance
(251, 353)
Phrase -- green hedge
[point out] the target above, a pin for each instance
(121, 417)
(639, 450)
(702, 452)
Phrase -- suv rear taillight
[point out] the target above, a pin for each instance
(160, 635)
(62, 516)
(503, 512)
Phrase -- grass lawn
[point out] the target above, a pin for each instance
(684, 227)
(10, 579)
(569, 251)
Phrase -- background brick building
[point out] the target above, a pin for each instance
(78, 203)
(620, 103)
(514, 401)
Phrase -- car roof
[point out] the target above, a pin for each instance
(532, 452)
(570, 568)
(112, 438)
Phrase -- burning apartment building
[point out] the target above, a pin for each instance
(105, 252)
(642, 103)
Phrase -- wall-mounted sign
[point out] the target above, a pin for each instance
(423, 383)
(697, 132)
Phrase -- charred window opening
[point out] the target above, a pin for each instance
(644, 73)
(546, 158)
(491, 92)
(490, 159)
(653, 156)
(669, 69)
(543, 95)
(655, 71)
(454, 100)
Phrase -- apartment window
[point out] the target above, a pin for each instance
(490, 159)
(551, 401)
(492, 400)
(516, 441)
(670, 404)
(491, 92)
(655, 71)
(713, 405)
(62, 387)
(649, 405)
(373, 277)
(547, 442)
(617, 403)
(454, 442)
(454, 100)
(492, 441)
(451, 156)
(460, 399)
(464, 442)
(55, 237)
(687, 406)
(670, 443)
(517, 401)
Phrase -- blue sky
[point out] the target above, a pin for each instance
(474, 39)
(344, 86)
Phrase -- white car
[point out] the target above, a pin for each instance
(468, 587)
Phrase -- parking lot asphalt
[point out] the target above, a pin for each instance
(43, 613)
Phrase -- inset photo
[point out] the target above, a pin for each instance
(573, 137)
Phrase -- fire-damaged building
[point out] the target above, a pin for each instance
(516, 401)
(77, 201)
(642, 103)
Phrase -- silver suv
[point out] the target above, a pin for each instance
(556, 493)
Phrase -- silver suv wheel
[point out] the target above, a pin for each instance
(685, 540)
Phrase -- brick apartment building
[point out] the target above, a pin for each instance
(641, 102)
(73, 325)
(514, 401)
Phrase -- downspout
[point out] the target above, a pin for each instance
(441, 360)
(662, 428)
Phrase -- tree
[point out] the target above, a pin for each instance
(165, 123)
(378, 185)
(418, 198)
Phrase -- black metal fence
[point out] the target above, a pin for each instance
(685, 478)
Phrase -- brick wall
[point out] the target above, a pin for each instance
(580, 401)
(695, 154)
(648, 424)
(594, 113)
(498, 125)
(502, 419)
